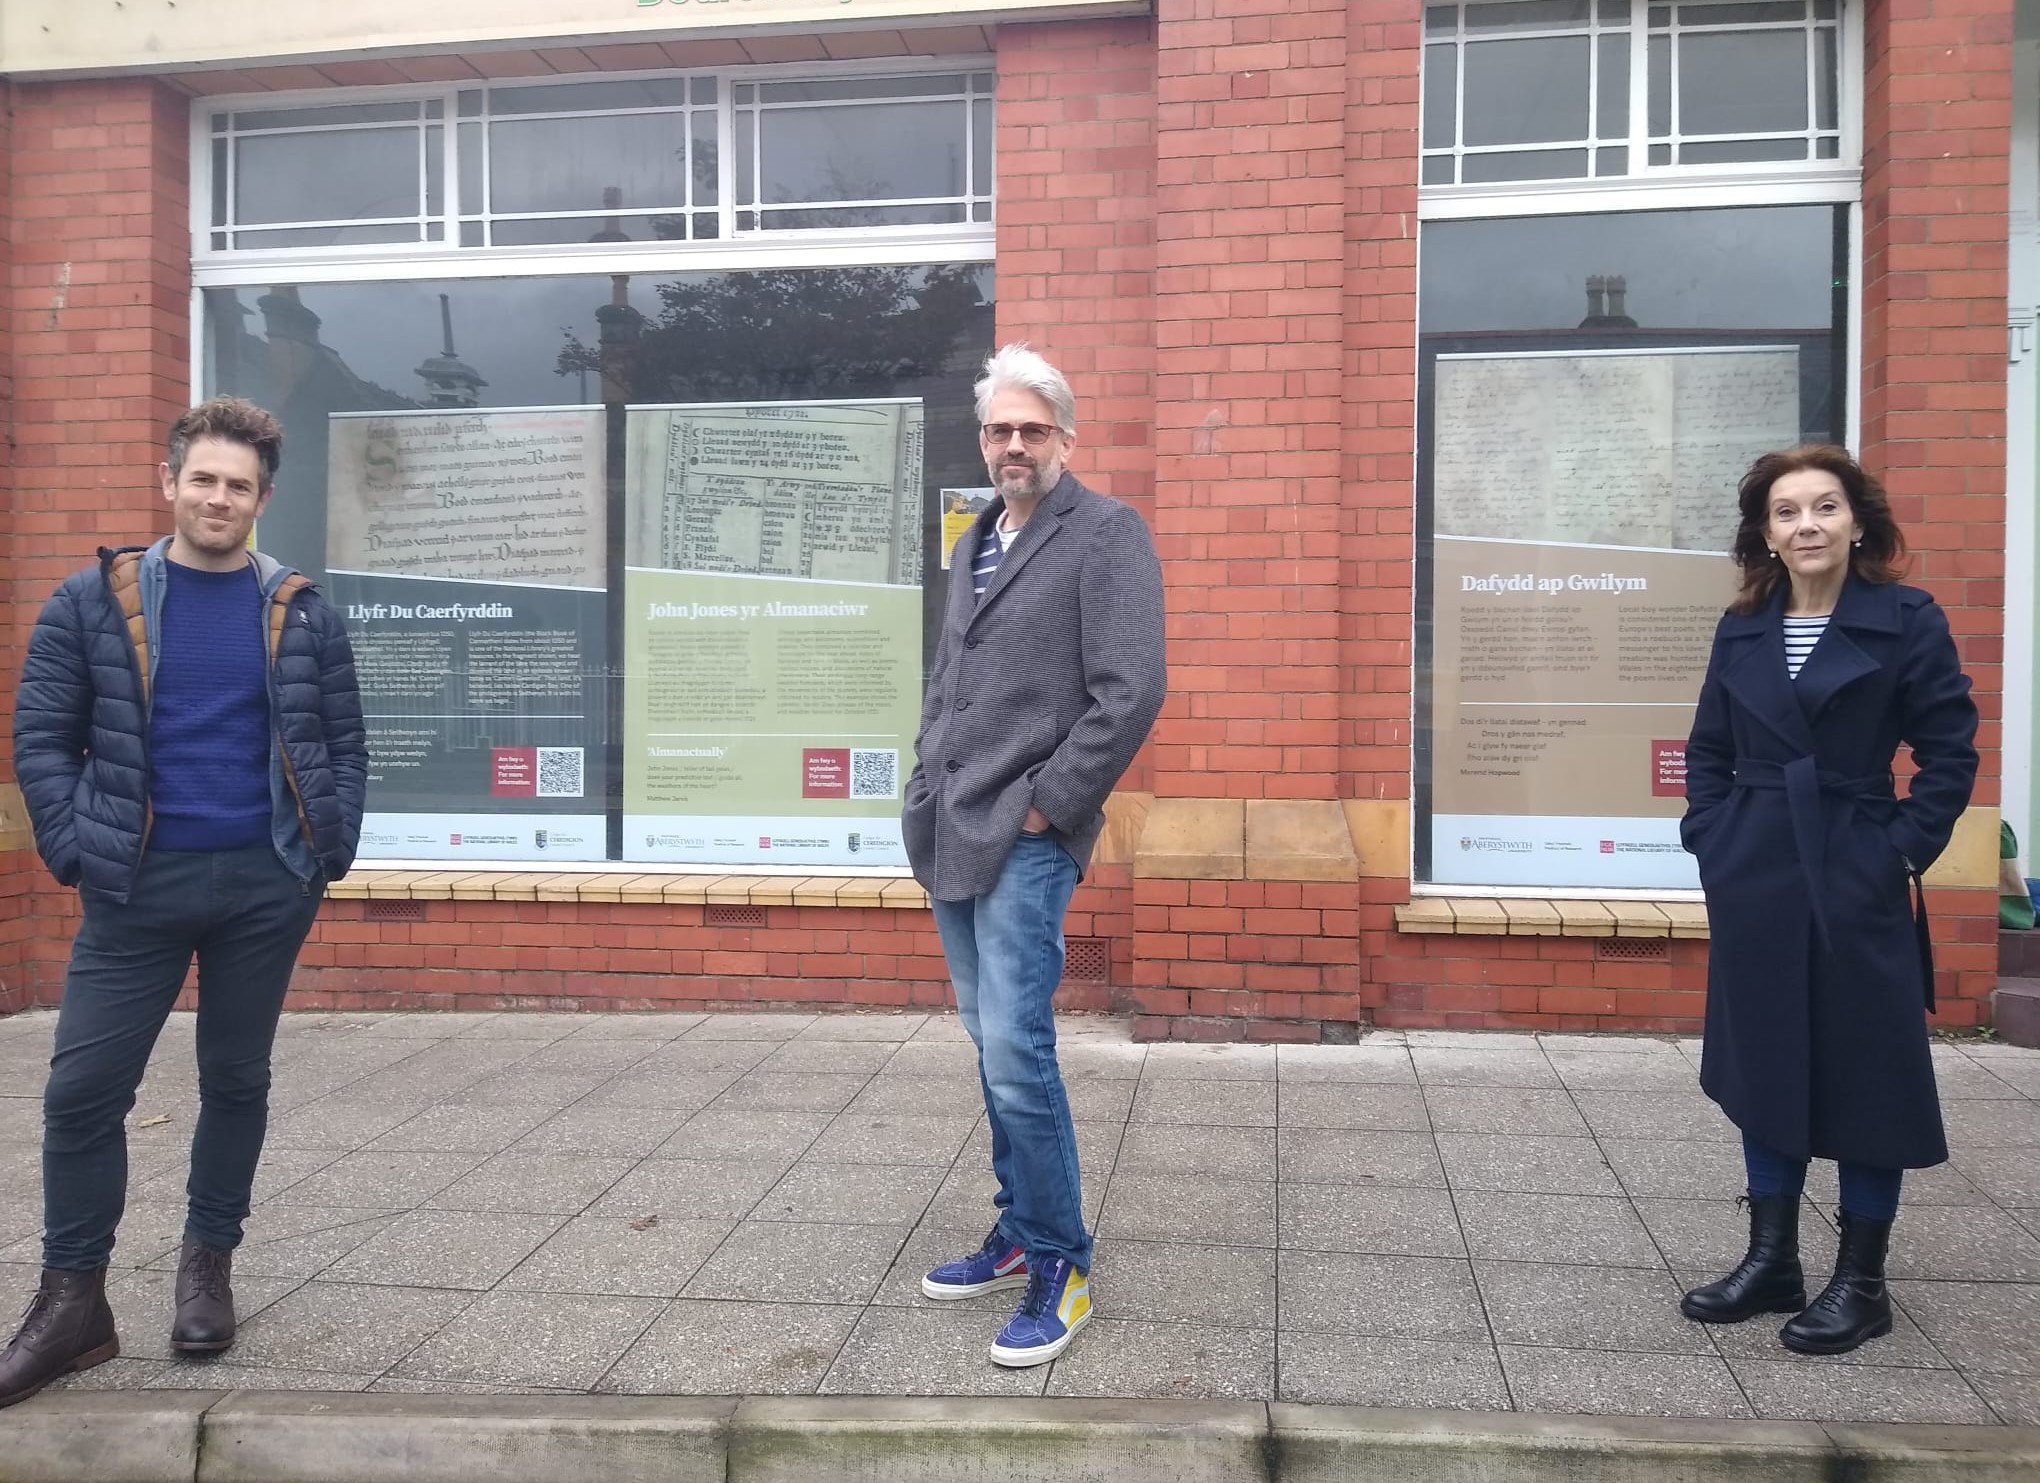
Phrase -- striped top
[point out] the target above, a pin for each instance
(987, 561)
(1801, 634)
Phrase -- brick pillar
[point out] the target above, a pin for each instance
(1076, 257)
(17, 854)
(1250, 264)
(1376, 545)
(1936, 146)
(97, 347)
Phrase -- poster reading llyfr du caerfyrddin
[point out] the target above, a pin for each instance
(466, 549)
(772, 631)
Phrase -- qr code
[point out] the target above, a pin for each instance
(874, 773)
(559, 772)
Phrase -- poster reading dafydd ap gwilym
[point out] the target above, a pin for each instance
(772, 629)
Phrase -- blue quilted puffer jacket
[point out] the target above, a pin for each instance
(81, 722)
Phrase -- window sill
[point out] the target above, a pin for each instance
(1460, 916)
(632, 887)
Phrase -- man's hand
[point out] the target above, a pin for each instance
(1037, 822)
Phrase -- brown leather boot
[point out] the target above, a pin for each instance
(67, 1327)
(205, 1299)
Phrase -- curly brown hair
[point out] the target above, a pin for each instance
(1876, 558)
(234, 421)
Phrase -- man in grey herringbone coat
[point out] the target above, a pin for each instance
(1048, 675)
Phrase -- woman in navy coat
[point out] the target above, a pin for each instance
(1819, 974)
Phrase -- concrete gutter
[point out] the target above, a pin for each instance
(300, 1437)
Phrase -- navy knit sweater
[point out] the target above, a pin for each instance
(209, 717)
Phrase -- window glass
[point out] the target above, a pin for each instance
(582, 164)
(870, 152)
(634, 159)
(639, 567)
(1751, 82)
(337, 176)
(1526, 91)
(1591, 388)
(1738, 77)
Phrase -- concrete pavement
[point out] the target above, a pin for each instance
(741, 1205)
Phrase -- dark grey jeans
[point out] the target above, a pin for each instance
(244, 917)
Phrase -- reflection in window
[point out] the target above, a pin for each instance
(487, 447)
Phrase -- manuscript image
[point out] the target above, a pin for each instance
(1620, 449)
(504, 495)
(819, 490)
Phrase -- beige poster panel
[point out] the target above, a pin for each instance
(1563, 674)
(1584, 503)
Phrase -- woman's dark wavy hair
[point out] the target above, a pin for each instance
(1876, 560)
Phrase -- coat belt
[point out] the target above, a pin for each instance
(1803, 782)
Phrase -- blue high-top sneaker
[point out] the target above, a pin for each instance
(996, 1265)
(1058, 1303)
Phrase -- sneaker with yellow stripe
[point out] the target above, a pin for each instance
(1057, 1304)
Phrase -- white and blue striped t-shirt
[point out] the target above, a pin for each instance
(987, 560)
(1801, 634)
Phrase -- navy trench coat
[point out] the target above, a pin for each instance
(1817, 992)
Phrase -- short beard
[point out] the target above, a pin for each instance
(1029, 484)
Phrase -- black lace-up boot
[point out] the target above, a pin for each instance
(1854, 1306)
(68, 1327)
(1768, 1279)
(205, 1299)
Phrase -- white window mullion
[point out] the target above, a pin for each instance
(1639, 86)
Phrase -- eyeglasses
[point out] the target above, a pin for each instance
(1033, 434)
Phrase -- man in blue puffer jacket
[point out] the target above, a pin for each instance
(188, 738)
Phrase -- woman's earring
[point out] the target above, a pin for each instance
(1858, 542)
(1774, 553)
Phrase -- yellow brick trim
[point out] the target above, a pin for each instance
(1381, 835)
(1481, 916)
(1299, 839)
(1193, 839)
(366, 883)
(1971, 858)
(15, 830)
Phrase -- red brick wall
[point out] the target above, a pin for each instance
(98, 305)
(17, 875)
(1936, 150)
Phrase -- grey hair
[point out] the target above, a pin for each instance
(1017, 367)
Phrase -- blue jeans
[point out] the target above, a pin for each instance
(1868, 1192)
(1005, 952)
(243, 916)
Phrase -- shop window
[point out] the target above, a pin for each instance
(1523, 90)
(1591, 389)
(630, 454)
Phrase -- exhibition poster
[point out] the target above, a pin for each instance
(466, 549)
(1584, 503)
(772, 622)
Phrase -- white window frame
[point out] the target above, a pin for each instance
(1671, 187)
(864, 246)
(1666, 188)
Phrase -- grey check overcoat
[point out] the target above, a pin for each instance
(1041, 693)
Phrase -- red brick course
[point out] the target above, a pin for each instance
(1208, 218)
